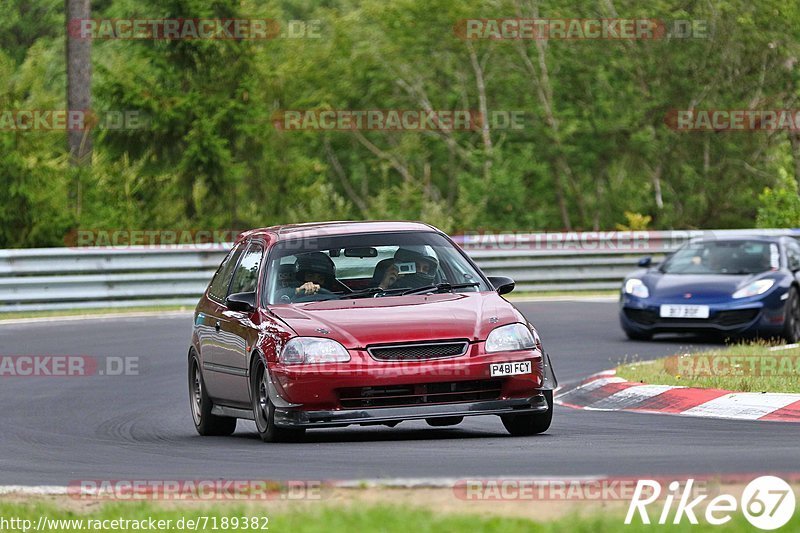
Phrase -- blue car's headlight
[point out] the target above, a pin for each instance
(636, 288)
(754, 289)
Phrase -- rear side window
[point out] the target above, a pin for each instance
(246, 277)
(222, 279)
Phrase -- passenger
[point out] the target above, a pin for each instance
(425, 268)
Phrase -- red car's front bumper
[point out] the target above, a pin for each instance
(288, 417)
(368, 391)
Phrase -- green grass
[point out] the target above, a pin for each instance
(348, 519)
(757, 369)
(530, 295)
(100, 311)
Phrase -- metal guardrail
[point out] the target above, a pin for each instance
(65, 278)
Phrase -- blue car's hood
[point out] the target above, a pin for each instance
(711, 287)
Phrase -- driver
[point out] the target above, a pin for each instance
(425, 268)
(314, 271)
(286, 276)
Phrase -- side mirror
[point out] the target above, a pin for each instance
(502, 284)
(244, 302)
(645, 262)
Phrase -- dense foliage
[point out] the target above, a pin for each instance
(594, 152)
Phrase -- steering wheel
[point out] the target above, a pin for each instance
(304, 297)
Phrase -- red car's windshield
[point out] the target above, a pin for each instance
(366, 265)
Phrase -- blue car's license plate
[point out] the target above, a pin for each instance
(684, 311)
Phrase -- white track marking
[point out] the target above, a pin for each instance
(742, 405)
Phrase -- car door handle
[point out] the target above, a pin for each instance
(217, 326)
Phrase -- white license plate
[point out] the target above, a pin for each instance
(684, 311)
(510, 369)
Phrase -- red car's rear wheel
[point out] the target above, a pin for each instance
(205, 423)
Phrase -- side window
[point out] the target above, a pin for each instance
(793, 255)
(245, 278)
(219, 285)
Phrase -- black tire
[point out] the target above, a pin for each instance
(205, 423)
(638, 336)
(444, 421)
(530, 424)
(264, 411)
(791, 328)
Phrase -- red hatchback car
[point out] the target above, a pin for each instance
(341, 323)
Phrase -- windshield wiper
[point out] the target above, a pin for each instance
(370, 291)
(440, 287)
(358, 294)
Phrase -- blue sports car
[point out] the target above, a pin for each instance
(732, 286)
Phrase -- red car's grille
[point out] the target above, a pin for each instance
(418, 351)
(420, 394)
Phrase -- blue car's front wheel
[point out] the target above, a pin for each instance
(791, 328)
(637, 335)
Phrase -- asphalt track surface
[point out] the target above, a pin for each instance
(54, 430)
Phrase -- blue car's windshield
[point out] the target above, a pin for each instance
(723, 257)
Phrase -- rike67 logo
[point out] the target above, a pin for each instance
(767, 502)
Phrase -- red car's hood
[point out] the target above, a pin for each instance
(361, 322)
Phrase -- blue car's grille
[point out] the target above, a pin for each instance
(736, 317)
(731, 318)
(642, 316)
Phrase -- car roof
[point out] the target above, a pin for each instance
(743, 237)
(339, 227)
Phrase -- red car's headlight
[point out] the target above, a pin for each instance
(510, 338)
(300, 350)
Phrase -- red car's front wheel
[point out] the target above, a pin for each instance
(530, 424)
(263, 410)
